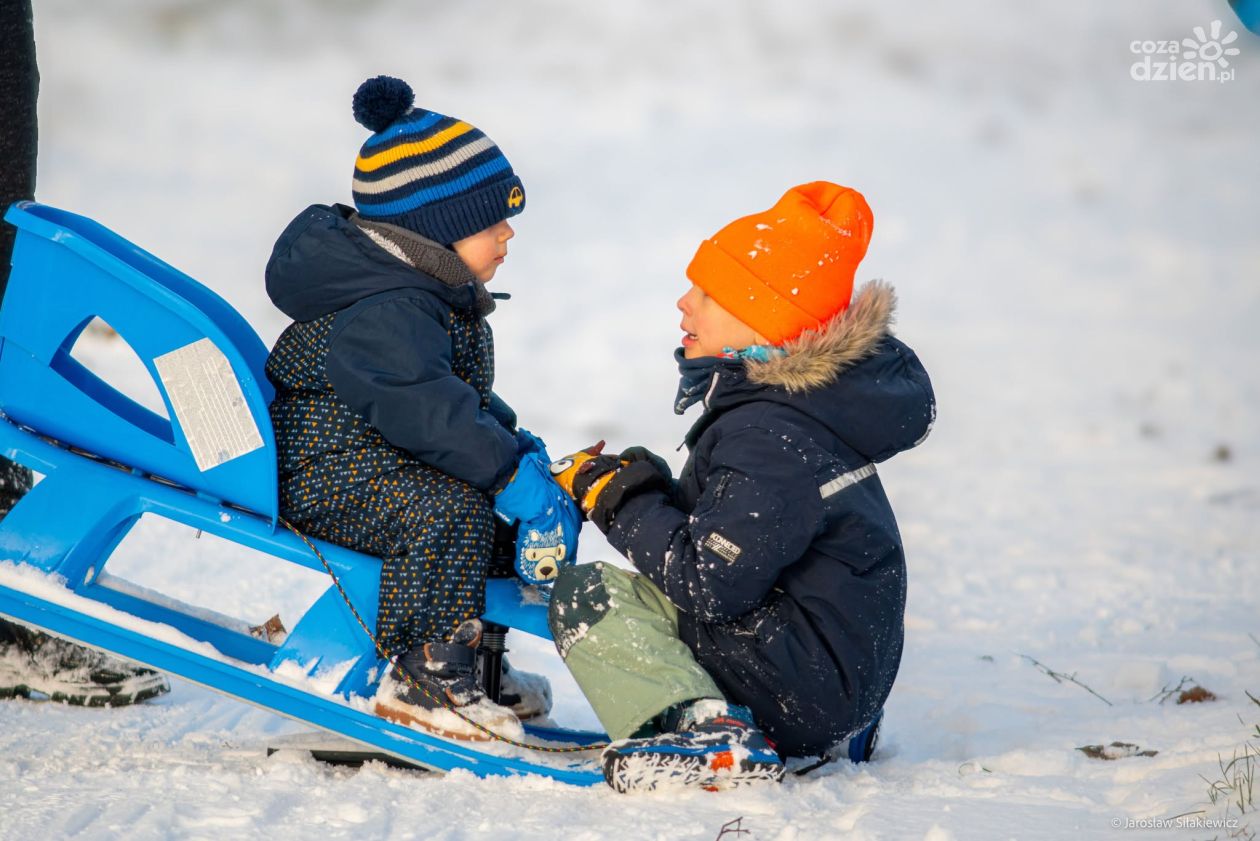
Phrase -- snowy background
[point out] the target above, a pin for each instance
(1078, 260)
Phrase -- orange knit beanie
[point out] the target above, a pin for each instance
(789, 269)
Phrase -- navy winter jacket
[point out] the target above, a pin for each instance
(386, 363)
(778, 544)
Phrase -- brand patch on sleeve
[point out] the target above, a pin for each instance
(723, 548)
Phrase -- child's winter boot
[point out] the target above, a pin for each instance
(434, 687)
(33, 663)
(861, 746)
(526, 694)
(714, 745)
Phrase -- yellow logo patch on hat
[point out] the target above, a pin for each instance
(516, 198)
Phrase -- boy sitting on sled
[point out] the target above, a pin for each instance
(766, 617)
(390, 438)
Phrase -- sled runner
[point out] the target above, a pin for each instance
(210, 464)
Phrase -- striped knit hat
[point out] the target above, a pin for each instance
(424, 171)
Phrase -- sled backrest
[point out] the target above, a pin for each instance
(204, 358)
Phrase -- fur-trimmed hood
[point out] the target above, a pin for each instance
(851, 375)
(817, 357)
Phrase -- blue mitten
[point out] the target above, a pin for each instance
(549, 521)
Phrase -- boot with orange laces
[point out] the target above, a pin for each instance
(712, 745)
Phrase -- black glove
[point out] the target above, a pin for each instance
(628, 481)
(632, 454)
(588, 474)
(600, 483)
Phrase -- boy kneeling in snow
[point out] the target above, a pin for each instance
(767, 616)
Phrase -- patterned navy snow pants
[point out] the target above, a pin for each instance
(435, 537)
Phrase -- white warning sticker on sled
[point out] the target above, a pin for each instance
(208, 403)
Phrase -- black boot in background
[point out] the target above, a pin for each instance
(36, 665)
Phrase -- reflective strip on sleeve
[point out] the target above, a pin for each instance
(844, 480)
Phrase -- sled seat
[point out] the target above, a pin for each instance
(209, 462)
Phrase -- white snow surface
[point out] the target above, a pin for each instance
(1077, 260)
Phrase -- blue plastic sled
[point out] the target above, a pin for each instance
(107, 460)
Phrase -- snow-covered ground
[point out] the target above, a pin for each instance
(1078, 260)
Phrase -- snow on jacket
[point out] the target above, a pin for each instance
(778, 544)
(388, 361)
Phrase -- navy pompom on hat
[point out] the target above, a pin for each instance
(433, 174)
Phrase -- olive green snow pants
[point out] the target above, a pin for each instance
(618, 634)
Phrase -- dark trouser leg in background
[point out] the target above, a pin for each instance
(19, 87)
(30, 661)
